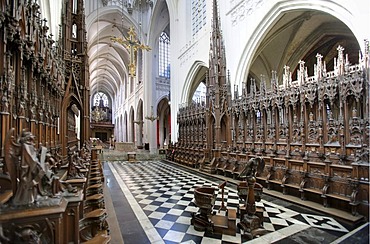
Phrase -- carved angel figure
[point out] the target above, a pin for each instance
(253, 166)
(23, 167)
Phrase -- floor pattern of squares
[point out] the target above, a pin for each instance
(163, 195)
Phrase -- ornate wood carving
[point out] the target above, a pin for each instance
(318, 121)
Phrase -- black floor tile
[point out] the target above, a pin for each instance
(173, 179)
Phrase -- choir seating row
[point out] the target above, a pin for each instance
(302, 178)
(65, 203)
(230, 164)
(189, 157)
(91, 226)
(309, 178)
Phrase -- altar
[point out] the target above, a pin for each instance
(125, 146)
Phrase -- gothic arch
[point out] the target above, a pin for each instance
(68, 101)
(120, 130)
(164, 122)
(125, 128)
(139, 124)
(195, 75)
(335, 9)
(131, 128)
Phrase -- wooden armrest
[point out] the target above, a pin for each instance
(340, 197)
(97, 213)
(76, 181)
(97, 178)
(5, 196)
(94, 197)
(99, 185)
(99, 239)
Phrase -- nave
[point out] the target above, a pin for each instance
(153, 202)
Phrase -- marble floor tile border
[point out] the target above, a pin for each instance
(145, 223)
(349, 234)
(332, 225)
(115, 232)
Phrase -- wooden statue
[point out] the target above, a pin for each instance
(28, 176)
(250, 223)
(23, 166)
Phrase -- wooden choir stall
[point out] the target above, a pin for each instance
(312, 132)
(51, 182)
(44, 200)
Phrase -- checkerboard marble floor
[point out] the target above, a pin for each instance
(160, 195)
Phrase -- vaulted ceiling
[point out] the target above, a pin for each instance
(301, 35)
(107, 59)
(296, 35)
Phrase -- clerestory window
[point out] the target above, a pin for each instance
(164, 55)
(198, 15)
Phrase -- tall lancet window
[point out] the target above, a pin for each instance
(198, 14)
(164, 55)
(74, 6)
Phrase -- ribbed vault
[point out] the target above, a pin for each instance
(301, 35)
(108, 61)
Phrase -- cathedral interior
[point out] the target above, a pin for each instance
(197, 121)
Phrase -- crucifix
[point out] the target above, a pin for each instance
(131, 44)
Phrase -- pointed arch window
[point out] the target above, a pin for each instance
(101, 99)
(164, 55)
(101, 112)
(74, 30)
(200, 93)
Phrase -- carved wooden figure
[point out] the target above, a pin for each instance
(311, 128)
(250, 223)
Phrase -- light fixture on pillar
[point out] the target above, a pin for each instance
(152, 117)
(139, 122)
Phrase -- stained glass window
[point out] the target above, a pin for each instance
(101, 99)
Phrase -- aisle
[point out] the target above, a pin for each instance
(161, 200)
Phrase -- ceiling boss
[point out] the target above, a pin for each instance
(132, 45)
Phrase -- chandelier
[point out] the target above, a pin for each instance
(152, 117)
